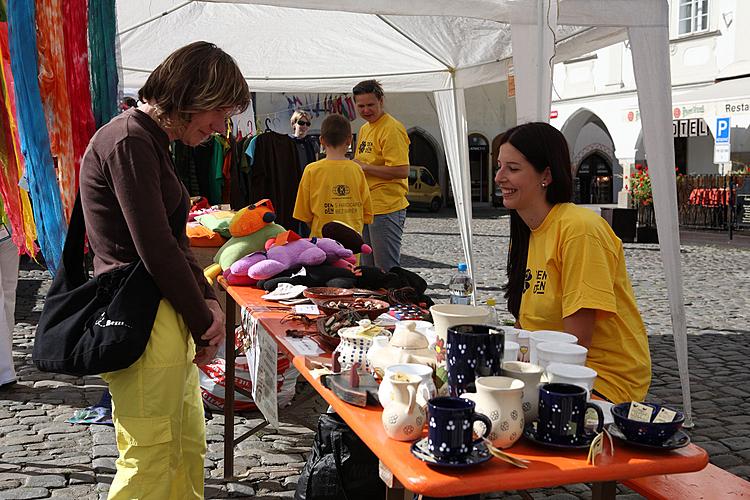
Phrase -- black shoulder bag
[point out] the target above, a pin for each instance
(340, 466)
(92, 326)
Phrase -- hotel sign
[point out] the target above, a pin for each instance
(693, 127)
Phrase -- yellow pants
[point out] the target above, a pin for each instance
(158, 417)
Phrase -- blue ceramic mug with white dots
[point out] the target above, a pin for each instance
(562, 414)
(450, 427)
(473, 351)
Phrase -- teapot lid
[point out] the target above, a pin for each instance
(406, 336)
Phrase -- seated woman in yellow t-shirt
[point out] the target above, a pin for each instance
(334, 188)
(566, 267)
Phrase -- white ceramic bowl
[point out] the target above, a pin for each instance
(540, 336)
(560, 352)
(582, 376)
(511, 351)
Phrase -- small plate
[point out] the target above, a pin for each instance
(529, 432)
(679, 440)
(479, 454)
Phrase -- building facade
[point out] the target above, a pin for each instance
(596, 106)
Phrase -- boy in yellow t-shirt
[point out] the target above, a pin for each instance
(334, 188)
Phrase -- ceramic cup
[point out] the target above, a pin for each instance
(511, 350)
(562, 414)
(473, 351)
(559, 352)
(540, 336)
(511, 333)
(531, 376)
(450, 427)
(426, 389)
(563, 373)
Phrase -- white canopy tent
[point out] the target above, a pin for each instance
(440, 46)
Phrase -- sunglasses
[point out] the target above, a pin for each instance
(303, 123)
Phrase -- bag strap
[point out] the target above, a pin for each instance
(72, 256)
(335, 440)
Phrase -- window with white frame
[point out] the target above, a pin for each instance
(693, 16)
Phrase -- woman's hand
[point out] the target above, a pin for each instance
(214, 334)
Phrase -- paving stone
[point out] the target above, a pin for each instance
(103, 464)
(737, 443)
(725, 461)
(105, 451)
(25, 493)
(241, 489)
(50, 481)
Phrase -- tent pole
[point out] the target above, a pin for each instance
(650, 50)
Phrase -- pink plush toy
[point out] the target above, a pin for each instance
(287, 250)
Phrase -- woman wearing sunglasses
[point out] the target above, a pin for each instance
(307, 148)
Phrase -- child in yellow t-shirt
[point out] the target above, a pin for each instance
(334, 188)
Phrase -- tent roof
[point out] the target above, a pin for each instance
(281, 48)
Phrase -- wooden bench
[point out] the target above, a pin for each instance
(709, 484)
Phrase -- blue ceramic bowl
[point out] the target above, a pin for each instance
(646, 432)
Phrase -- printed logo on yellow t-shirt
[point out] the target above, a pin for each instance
(341, 190)
(365, 147)
(540, 281)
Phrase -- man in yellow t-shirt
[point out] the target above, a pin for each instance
(383, 154)
(574, 262)
(334, 188)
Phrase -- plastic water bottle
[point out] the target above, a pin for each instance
(460, 286)
(492, 319)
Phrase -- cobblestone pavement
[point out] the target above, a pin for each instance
(41, 456)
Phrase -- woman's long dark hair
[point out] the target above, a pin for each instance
(543, 146)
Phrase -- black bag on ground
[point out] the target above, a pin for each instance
(340, 466)
(91, 326)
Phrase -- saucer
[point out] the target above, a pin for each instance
(529, 432)
(679, 440)
(479, 454)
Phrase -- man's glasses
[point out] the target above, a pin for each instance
(303, 123)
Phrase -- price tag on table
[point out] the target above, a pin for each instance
(306, 309)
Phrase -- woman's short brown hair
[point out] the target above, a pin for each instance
(197, 77)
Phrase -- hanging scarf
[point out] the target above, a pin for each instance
(54, 91)
(17, 205)
(40, 169)
(102, 39)
(77, 69)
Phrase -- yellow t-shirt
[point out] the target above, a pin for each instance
(385, 142)
(576, 261)
(333, 190)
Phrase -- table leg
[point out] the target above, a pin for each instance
(229, 313)
(394, 490)
(604, 490)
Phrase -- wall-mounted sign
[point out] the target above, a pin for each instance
(693, 127)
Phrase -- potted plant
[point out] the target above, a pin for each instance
(642, 199)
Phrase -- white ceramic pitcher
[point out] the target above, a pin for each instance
(500, 400)
(403, 419)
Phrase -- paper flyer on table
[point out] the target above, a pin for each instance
(264, 374)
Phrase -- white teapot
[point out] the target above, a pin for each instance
(406, 345)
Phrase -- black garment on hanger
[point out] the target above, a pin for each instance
(275, 175)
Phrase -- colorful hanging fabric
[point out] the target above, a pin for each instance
(40, 169)
(75, 20)
(54, 91)
(102, 40)
(18, 208)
